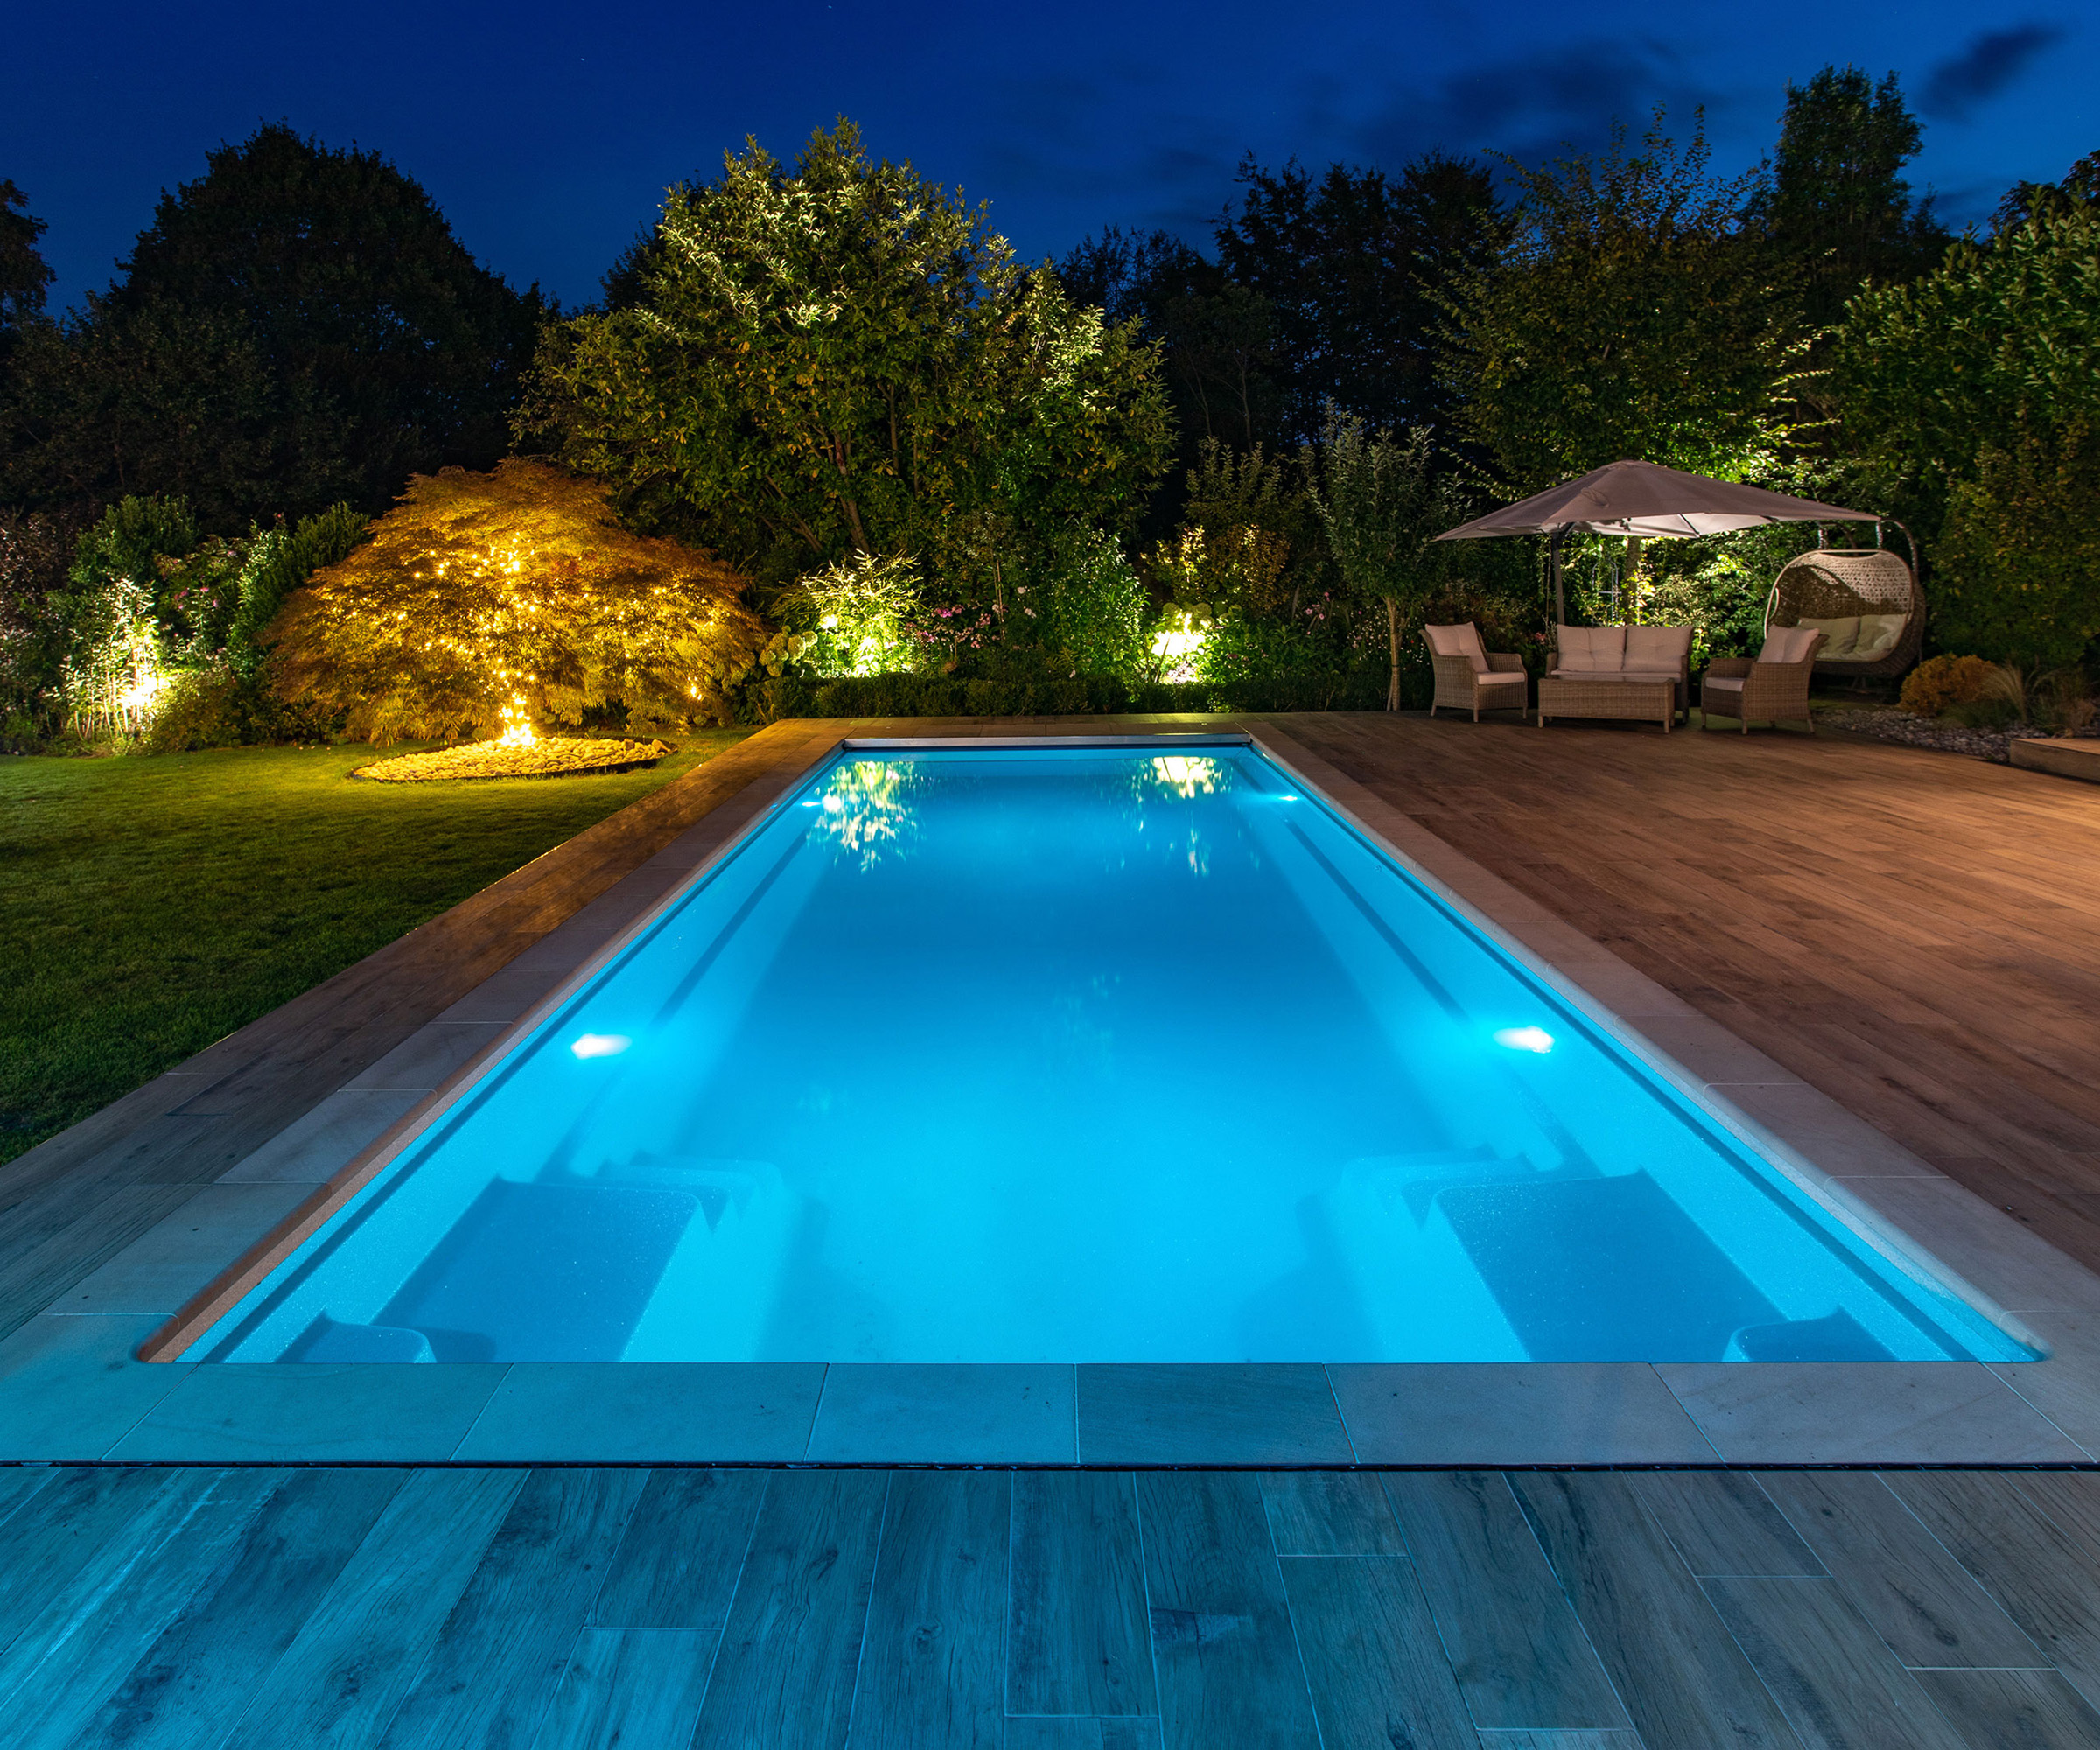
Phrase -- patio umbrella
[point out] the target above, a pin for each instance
(1645, 501)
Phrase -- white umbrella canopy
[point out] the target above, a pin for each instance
(1644, 500)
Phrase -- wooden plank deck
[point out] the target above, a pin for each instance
(1915, 934)
(832, 1609)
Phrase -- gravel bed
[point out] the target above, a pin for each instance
(1886, 724)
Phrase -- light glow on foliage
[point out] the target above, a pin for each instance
(1178, 644)
(517, 724)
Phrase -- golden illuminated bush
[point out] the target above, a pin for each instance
(479, 589)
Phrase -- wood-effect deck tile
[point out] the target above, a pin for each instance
(1329, 1513)
(1223, 1644)
(499, 1658)
(1836, 1679)
(933, 1665)
(1522, 1659)
(1069, 1731)
(1680, 1673)
(1373, 1659)
(1078, 1641)
(196, 1680)
(790, 1651)
(77, 1649)
(59, 1531)
(2045, 1574)
(629, 1689)
(1724, 1522)
(354, 1657)
(678, 1564)
(2014, 1710)
(1921, 1600)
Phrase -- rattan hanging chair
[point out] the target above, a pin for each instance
(1856, 597)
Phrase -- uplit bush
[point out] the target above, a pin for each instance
(479, 590)
(1942, 681)
(852, 617)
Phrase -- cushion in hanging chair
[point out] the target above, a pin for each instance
(1839, 635)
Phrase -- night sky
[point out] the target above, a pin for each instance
(548, 132)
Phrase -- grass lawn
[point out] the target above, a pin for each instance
(148, 906)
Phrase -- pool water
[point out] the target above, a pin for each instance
(1089, 1054)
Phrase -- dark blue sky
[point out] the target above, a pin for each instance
(548, 132)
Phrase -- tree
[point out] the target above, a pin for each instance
(1352, 266)
(25, 278)
(1383, 505)
(1838, 205)
(842, 356)
(299, 325)
(1973, 393)
(480, 591)
(1634, 312)
(2081, 182)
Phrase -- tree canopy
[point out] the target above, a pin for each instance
(297, 327)
(24, 276)
(839, 355)
(1633, 312)
(482, 590)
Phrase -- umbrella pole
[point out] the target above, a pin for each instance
(1560, 599)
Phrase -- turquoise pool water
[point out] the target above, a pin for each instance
(1094, 1054)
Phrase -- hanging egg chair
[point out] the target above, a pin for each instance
(1866, 602)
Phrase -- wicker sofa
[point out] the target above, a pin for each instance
(1625, 652)
(1472, 677)
(1773, 688)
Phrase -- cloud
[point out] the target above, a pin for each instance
(1535, 105)
(1992, 62)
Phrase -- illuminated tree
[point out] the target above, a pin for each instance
(841, 356)
(514, 590)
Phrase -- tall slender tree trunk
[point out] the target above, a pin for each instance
(1392, 630)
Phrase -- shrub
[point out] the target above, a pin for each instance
(1940, 682)
(850, 618)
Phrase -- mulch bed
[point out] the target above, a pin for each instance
(549, 757)
(1887, 723)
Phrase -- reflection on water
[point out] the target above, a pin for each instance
(868, 808)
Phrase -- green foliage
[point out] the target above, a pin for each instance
(2019, 552)
(1838, 205)
(1382, 505)
(25, 277)
(1086, 605)
(852, 617)
(280, 561)
(1940, 683)
(842, 357)
(481, 590)
(297, 327)
(1633, 313)
(1998, 345)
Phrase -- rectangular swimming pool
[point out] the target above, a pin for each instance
(1081, 1053)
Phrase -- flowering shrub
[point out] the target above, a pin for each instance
(852, 617)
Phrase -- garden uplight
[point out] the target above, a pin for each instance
(1525, 1038)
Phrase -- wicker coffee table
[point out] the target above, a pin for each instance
(1651, 700)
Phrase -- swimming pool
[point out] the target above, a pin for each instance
(1082, 1052)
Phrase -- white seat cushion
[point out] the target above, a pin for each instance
(1787, 644)
(1657, 647)
(1723, 684)
(1459, 640)
(1591, 649)
(1839, 636)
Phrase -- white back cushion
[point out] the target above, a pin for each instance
(1878, 633)
(1592, 649)
(1657, 647)
(1459, 640)
(1838, 635)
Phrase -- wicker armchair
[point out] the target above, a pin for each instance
(1773, 689)
(1454, 651)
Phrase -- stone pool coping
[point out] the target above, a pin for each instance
(72, 1388)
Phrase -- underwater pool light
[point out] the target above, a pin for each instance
(1525, 1038)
